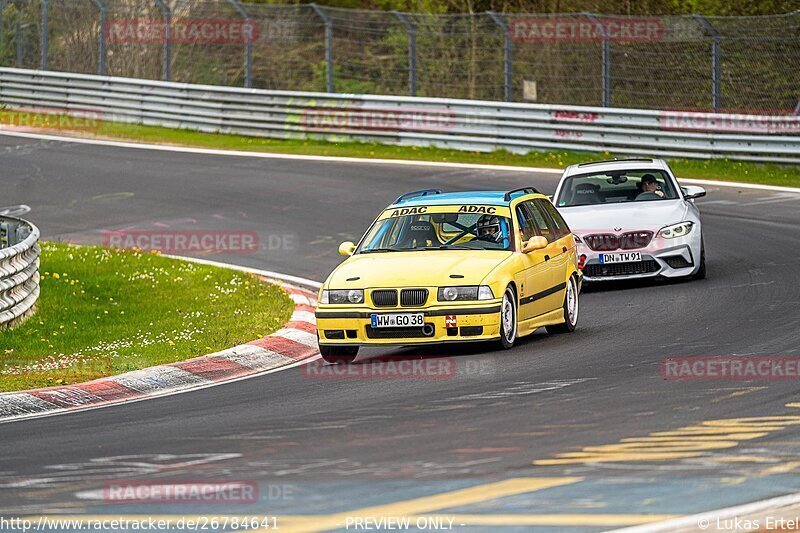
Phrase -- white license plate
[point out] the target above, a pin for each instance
(398, 320)
(626, 257)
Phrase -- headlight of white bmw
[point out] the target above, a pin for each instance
(676, 230)
(342, 296)
(460, 294)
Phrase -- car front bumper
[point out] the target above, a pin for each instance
(339, 325)
(667, 258)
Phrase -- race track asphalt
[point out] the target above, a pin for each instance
(328, 445)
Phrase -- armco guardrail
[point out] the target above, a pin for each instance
(19, 269)
(460, 124)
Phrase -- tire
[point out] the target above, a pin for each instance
(338, 354)
(508, 319)
(701, 272)
(570, 309)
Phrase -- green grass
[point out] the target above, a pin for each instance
(716, 169)
(103, 312)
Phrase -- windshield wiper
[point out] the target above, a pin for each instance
(379, 250)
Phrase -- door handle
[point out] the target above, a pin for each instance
(547, 258)
(564, 249)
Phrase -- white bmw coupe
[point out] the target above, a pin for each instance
(632, 220)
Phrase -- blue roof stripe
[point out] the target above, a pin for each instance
(466, 197)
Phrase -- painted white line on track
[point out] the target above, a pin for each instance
(271, 155)
(360, 160)
(708, 520)
(257, 271)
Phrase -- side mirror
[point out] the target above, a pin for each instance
(347, 248)
(691, 192)
(535, 243)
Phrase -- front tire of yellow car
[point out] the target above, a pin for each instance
(508, 319)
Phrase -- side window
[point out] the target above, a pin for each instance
(542, 221)
(526, 225)
(559, 224)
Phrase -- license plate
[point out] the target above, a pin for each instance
(626, 257)
(398, 320)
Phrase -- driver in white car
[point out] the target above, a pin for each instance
(649, 184)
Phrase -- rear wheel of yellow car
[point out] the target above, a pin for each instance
(338, 354)
(508, 319)
(570, 309)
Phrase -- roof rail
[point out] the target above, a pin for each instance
(650, 159)
(415, 194)
(526, 190)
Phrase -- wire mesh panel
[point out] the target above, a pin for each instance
(289, 49)
(760, 62)
(73, 34)
(21, 34)
(136, 44)
(557, 59)
(209, 39)
(660, 62)
(460, 56)
(734, 64)
(370, 51)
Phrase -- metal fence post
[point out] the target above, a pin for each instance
(716, 71)
(248, 47)
(328, 45)
(411, 32)
(2, 11)
(43, 43)
(101, 38)
(162, 5)
(507, 53)
(606, 70)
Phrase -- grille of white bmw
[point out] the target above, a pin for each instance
(603, 242)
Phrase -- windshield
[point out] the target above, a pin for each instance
(616, 187)
(445, 231)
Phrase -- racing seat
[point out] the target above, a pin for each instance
(586, 194)
(420, 234)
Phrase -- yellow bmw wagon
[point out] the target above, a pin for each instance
(452, 267)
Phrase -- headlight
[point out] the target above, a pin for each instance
(343, 296)
(473, 292)
(676, 230)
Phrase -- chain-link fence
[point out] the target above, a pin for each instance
(733, 64)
